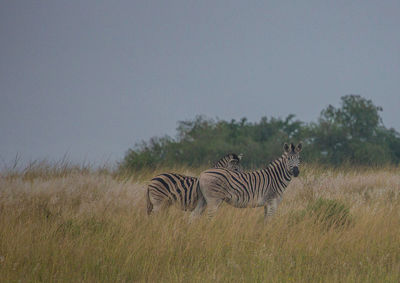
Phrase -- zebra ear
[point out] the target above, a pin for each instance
(240, 156)
(299, 147)
(286, 147)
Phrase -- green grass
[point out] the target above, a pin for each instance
(84, 225)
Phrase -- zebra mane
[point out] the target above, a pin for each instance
(283, 158)
(232, 156)
(280, 161)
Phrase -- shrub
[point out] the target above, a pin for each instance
(331, 213)
(326, 212)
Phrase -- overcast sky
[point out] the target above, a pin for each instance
(91, 78)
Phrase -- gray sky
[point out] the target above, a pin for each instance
(91, 78)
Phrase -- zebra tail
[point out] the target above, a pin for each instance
(149, 204)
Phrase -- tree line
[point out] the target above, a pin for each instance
(352, 134)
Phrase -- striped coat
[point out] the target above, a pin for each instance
(172, 188)
(263, 187)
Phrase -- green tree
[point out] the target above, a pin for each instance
(350, 133)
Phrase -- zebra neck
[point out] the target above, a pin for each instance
(279, 169)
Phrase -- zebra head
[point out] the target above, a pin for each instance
(230, 161)
(233, 161)
(293, 158)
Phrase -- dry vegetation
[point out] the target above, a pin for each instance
(77, 224)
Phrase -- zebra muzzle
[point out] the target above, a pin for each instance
(295, 171)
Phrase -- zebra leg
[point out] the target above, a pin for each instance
(212, 191)
(270, 208)
(157, 203)
(161, 205)
(213, 205)
(149, 205)
(279, 200)
(199, 209)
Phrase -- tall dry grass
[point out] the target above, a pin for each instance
(79, 224)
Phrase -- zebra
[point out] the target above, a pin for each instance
(263, 187)
(171, 188)
(229, 161)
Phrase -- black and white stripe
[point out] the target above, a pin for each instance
(263, 187)
(172, 188)
(229, 161)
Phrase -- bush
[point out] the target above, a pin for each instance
(331, 213)
(326, 212)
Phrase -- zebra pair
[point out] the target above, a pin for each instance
(263, 187)
(171, 188)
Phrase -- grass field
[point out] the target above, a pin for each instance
(68, 224)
